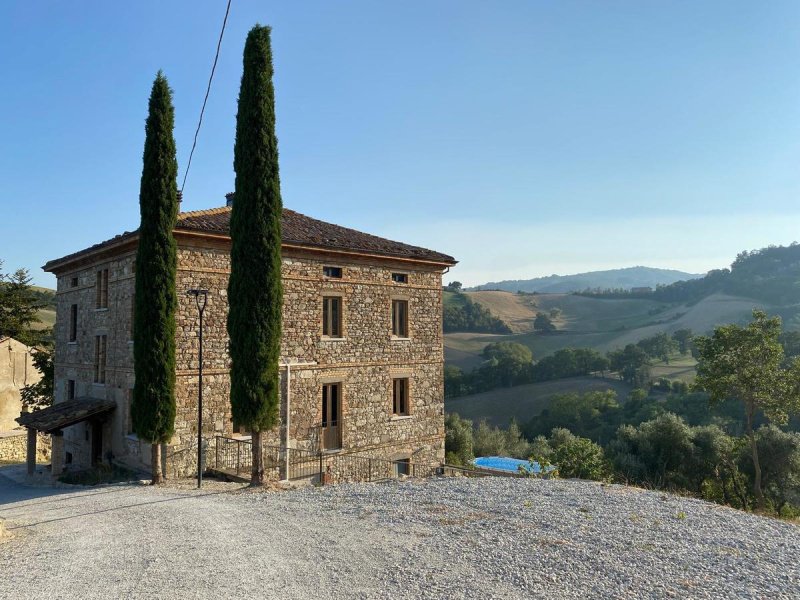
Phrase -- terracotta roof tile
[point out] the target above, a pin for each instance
(297, 230)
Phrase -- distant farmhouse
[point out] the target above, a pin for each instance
(361, 354)
(16, 371)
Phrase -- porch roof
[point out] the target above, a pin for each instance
(64, 414)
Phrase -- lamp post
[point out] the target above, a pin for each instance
(200, 299)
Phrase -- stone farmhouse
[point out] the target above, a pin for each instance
(16, 371)
(361, 354)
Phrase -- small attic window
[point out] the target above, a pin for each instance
(73, 282)
(400, 277)
(335, 272)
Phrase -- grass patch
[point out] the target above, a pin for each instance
(99, 474)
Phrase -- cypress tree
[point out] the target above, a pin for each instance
(255, 293)
(153, 407)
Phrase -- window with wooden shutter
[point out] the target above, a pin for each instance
(400, 406)
(100, 353)
(332, 316)
(400, 318)
(101, 289)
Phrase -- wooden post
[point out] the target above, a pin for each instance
(31, 458)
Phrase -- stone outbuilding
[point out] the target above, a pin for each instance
(361, 354)
(16, 371)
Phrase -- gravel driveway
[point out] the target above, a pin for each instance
(452, 538)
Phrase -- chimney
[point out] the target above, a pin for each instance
(229, 199)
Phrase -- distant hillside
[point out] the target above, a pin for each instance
(614, 279)
(771, 275)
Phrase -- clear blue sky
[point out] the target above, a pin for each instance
(525, 138)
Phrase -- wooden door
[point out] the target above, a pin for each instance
(331, 415)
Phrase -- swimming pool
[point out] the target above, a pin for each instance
(504, 463)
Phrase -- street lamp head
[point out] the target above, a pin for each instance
(200, 297)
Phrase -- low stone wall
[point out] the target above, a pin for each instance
(14, 446)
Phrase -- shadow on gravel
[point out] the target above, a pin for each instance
(117, 508)
(49, 493)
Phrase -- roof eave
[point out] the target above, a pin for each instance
(59, 264)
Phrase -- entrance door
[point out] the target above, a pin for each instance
(331, 425)
(97, 442)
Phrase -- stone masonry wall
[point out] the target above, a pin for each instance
(14, 446)
(363, 361)
(75, 360)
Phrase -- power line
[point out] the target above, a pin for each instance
(208, 90)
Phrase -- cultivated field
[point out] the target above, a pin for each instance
(523, 402)
(599, 323)
(517, 310)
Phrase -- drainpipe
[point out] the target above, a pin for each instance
(288, 439)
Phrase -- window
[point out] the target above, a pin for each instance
(73, 282)
(100, 347)
(332, 316)
(129, 429)
(70, 389)
(400, 318)
(330, 404)
(402, 467)
(133, 315)
(400, 277)
(335, 272)
(400, 397)
(239, 429)
(101, 289)
(73, 322)
(331, 431)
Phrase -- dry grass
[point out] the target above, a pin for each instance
(517, 310)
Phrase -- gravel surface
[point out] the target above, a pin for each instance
(446, 538)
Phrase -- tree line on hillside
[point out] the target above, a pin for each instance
(461, 313)
(507, 364)
(769, 274)
(730, 439)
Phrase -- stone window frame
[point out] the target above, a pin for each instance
(70, 389)
(73, 324)
(328, 293)
(100, 358)
(101, 289)
(400, 298)
(407, 375)
(404, 275)
(334, 269)
(336, 378)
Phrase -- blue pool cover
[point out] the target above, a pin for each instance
(504, 463)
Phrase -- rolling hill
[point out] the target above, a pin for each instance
(631, 277)
(600, 323)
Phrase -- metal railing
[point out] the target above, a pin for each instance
(234, 457)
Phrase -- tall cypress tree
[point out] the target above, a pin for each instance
(255, 293)
(153, 407)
